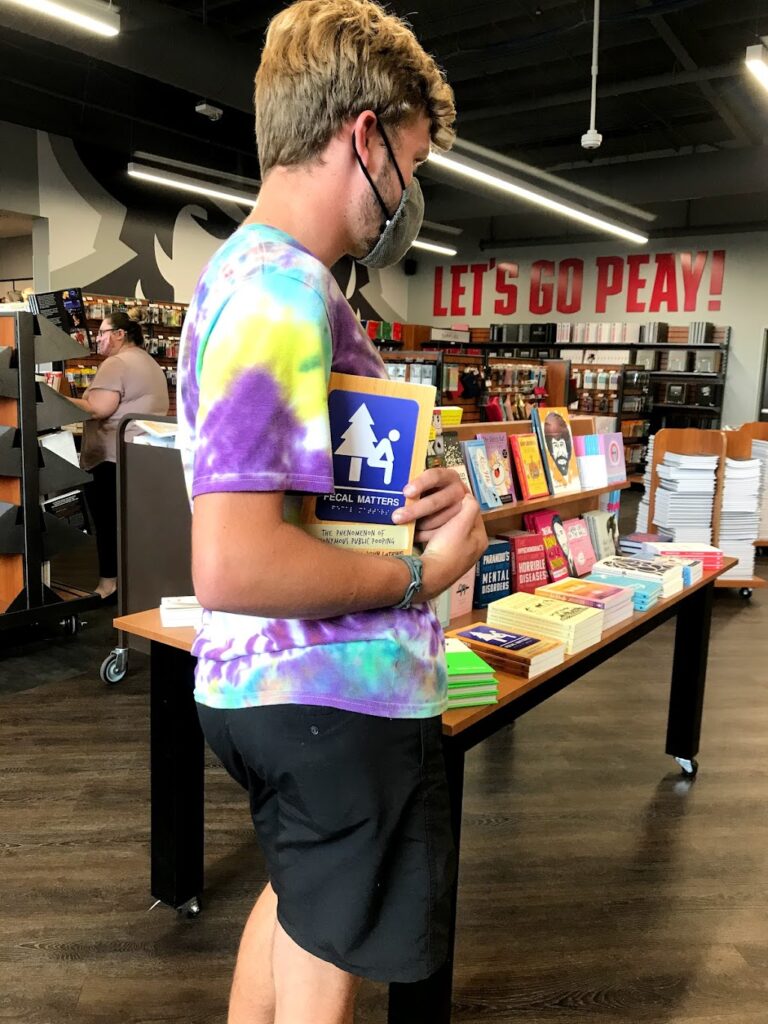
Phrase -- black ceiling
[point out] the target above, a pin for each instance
(673, 93)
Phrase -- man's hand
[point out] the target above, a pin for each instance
(439, 493)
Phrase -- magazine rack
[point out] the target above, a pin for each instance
(28, 535)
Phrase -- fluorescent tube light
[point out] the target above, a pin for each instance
(169, 179)
(503, 183)
(93, 15)
(757, 62)
(446, 229)
(441, 250)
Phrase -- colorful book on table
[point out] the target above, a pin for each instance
(552, 427)
(515, 653)
(497, 452)
(529, 466)
(379, 435)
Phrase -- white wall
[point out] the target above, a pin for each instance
(16, 257)
(674, 280)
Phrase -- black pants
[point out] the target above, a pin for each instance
(101, 495)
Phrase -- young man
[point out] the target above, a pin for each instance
(320, 679)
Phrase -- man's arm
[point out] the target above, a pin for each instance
(246, 560)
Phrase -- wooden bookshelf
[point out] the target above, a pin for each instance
(11, 566)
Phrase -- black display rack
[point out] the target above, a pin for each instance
(26, 530)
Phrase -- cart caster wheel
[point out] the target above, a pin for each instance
(690, 768)
(71, 625)
(746, 593)
(189, 909)
(112, 669)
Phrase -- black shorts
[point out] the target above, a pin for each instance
(351, 812)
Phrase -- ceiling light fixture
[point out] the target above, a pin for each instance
(169, 179)
(757, 62)
(441, 250)
(93, 15)
(503, 183)
(447, 229)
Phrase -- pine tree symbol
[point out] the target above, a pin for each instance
(359, 441)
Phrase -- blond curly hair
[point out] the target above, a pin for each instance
(326, 61)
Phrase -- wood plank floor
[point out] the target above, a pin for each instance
(596, 885)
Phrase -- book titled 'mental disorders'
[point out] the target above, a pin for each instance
(379, 437)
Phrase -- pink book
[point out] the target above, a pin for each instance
(582, 552)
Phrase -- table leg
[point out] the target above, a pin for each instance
(689, 673)
(176, 767)
(429, 1001)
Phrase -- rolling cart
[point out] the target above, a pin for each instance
(153, 529)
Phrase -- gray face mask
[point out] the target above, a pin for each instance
(399, 231)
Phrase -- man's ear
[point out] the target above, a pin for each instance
(363, 135)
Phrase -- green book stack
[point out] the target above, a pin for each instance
(471, 681)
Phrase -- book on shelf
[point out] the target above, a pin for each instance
(574, 625)
(530, 468)
(480, 475)
(527, 561)
(379, 436)
(591, 461)
(515, 653)
(580, 545)
(180, 611)
(65, 309)
(543, 523)
(454, 458)
(492, 573)
(614, 601)
(497, 453)
(462, 593)
(612, 446)
(603, 532)
(435, 445)
(552, 427)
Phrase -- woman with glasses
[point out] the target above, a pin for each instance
(128, 381)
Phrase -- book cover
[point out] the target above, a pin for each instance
(454, 457)
(463, 664)
(613, 453)
(462, 592)
(509, 651)
(552, 426)
(529, 466)
(492, 573)
(527, 562)
(480, 475)
(590, 594)
(543, 523)
(591, 461)
(604, 532)
(435, 445)
(497, 452)
(379, 435)
(65, 309)
(582, 552)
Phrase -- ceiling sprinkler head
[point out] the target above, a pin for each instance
(591, 139)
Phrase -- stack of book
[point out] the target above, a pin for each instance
(614, 601)
(666, 571)
(760, 451)
(685, 496)
(634, 543)
(641, 524)
(740, 515)
(711, 558)
(693, 568)
(471, 681)
(645, 593)
(572, 624)
(515, 653)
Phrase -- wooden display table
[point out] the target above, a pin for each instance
(177, 754)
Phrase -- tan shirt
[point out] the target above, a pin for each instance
(142, 387)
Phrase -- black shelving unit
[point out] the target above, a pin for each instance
(25, 529)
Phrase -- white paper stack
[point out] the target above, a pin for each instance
(572, 624)
(685, 496)
(760, 451)
(641, 525)
(180, 611)
(740, 515)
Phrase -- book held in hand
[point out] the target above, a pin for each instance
(552, 427)
(379, 435)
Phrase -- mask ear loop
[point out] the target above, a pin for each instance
(392, 156)
(364, 169)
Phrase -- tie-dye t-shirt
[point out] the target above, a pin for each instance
(266, 326)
